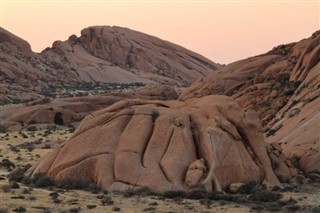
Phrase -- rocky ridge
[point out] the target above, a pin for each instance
(101, 54)
(283, 86)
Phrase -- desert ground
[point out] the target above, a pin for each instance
(27, 147)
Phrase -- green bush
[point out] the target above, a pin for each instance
(18, 174)
(41, 180)
(32, 128)
(19, 209)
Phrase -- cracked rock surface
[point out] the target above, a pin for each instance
(168, 145)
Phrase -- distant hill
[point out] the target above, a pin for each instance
(101, 54)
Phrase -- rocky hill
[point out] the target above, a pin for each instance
(283, 86)
(101, 54)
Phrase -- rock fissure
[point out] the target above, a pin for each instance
(189, 143)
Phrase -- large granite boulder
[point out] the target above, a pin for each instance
(168, 145)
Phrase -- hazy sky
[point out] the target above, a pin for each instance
(223, 31)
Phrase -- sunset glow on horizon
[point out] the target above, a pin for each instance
(221, 31)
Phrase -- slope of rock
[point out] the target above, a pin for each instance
(22, 72)
(123, 55)
(101, 54)
(41, 112)
(168, 145)
(283, 86)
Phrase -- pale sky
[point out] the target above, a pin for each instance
(223, 31)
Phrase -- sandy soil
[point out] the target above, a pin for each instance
(27, 147)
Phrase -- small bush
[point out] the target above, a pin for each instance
(271, 132)
(266, 196)
(107, 201)
(74, 210)
(115, 209)
(54, 195)
(76, 183)
(6, 163)
(273, 207)
(149, 209)
(293, 208)
(197, 194)
(247, 188)
(32, 128)
(291, 201)
(19, 209)
(41, 180)
(142, 191)
(295, 161)
(18, 174)
(18, 197)
(14, 185)
(47, 146)
(91, 206)
(174, 194)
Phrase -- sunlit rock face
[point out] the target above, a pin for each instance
(168, 145)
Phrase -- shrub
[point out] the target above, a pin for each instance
(24, 135)
(14, 185)
(91, 206)
(266, 196)
(293, 208)
(174, 194)
(76, 183)
(54, 195)
(58, 118)
(32, 128)
(41, 180)
(115, 209)
(295, 161)
(19, 209)
(74, 210)
(142, 191)
(18, 174)
(107, 201)
(271, 132)
(197, 194)
(6, 163)
(247, 188)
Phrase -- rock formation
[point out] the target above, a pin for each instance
(101, 54)
(41, 112)
(168, 145)
(283, 86)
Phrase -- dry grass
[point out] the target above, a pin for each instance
(40, 200)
